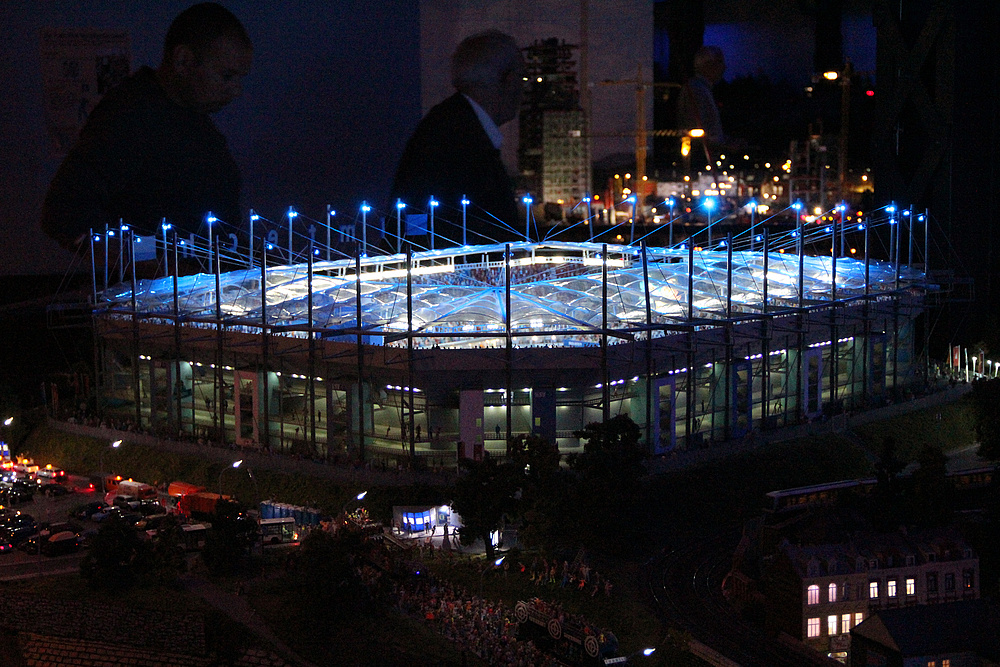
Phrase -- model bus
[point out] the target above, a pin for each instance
(278, 531)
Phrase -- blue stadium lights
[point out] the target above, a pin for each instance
(827, 230)
(434, 203)
(124, 228)
(861, 228)
(400, 205)
(292, 213)
(210, 218)
(920, 218)
(526, 199)
(365, 207)
(111, 233)
(166, 226)
(797, 206)
(465, 202)
(254, 217)
(710, 203)
(758, 238)
(891, 208)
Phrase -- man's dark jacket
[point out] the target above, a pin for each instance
(450, 156)
(140, 158)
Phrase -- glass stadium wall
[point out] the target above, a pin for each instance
(687, 387)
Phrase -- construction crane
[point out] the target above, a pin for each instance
(641, 134)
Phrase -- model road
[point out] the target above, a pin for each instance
(686, 582)
(17, 564)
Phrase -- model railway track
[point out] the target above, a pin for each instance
(686, 583)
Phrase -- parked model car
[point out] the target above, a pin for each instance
(125, 502)
(50, 474)
(25, 466)
(12, 493)
(18, 534)
(130, 518)
(53, 489)
(61, 543)
(64, 543)
(87, 510)
(149, 508)
(16, 519)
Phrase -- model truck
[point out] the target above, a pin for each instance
(199, 505)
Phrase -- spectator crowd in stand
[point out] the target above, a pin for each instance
(485, 628)
(579, 576)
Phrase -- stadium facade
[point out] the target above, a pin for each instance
(408, 356)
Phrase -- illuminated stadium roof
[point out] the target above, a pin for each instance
(459, 295)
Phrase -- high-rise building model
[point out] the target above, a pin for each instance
(554, 146)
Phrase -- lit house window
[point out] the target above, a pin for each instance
(890, 588)
(967, 579)
(845, 623)
(873, 590)
(812, 628)
(911, 586)
(831, 625)
(832, 592)
(858, 617)
(812, 595)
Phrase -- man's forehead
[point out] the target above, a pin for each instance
(230, 51)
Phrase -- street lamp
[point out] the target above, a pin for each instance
(631, 236)
(399, 225)
(465, 205)
(104, 478)
(646, 652)
(670, 202)
(709, 206)
(357, 498)
(590, 223)
(256, 490)
(431, 205)
(209, 219)
(496, 564)
(4, 449)
(236, 464)
(527, 200)
(365, 208)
